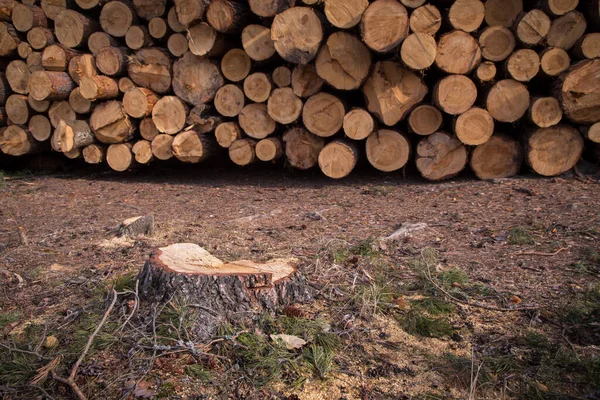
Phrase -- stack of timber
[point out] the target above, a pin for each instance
(313, 84)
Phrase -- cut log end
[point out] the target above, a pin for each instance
(474, 127)
(553, 151)
(425, 120)
(338, 158)
(500, 157)
(387, 150)
(358, 124)
(440, 156)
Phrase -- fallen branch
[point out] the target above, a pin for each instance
(537, 253)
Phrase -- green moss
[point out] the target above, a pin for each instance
(198, 372)
(520, 236)
(166, 389)
(434, 306)
(8, 317)
(417, 323)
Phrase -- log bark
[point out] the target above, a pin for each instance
(177, 44)
(227, 16)
(553, 151)
(61, 110)
(269, 8)
(4, 88)
(554, 61)
(257, 42)
(474, 127)
(344, 61)
(57, 57)
(297, 42)
(269, 149)
(139, 102)
(323, 114)
(384, 25)
(116, 17)
(358, 124)
(440, 157)
(148, 9)
(119, 157)
(161, 146)
(3, 119)
(256, 122)
(458, 53)
(508, 100)
(545, 112)
(302, 148)
(588, 46)
(73, 29)
(284, 106)
(78, 103)
(532, 27)
(579, 92)
(99, 40)
(497, 43)
(169, 115)
(425, 120)
(137, 37)
(466, 15)
(229, 100)
(112, 61)
(25, 17)
(158, 28)
(305, 81)
(80, 66)
(392, 91)
(191, 146)
(387, 150)
(189, 11)
(345, 14)
(226, 133)
(338, 158)
(455, 94)
(151, 68)
(142, 152)
(257, 87)
(242, 152)
(40, 128)
(9, 41)
(94, 153)
(17, 141)
(418, 51)
(98, 87)
(17, 109)
(73, 135)
(18, 75)
(232, 292)
(110, 123)
(147, 129)
(47, 85)
(196, 79)
(282, 77)
(500, 157)
(523, 65)
(236, 65)
(502, 12)
(565, 31)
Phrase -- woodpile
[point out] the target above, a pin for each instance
(442, 85)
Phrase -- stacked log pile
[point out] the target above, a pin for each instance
(317, 83)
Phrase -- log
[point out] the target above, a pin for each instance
(17, 109)
(466, 15)
(40, 127)
(532, 27)
(226, 133)
(99, 40)
(282, 77)
(565, 31)
(498, 158)
(592, 133)
(126, 84)
(39, 37)
(343, 61)
(455, 94)
(426, 19)
(284, 106)
(98, 87)
(554, 61)
(579, 92)
(269, 8)
(158, 28)
(151, 68)
(169, 114)
(4, 88)
(227, 16)
(392, 91)
(80, 66)
(497, 43)
(173, 24)
(269, 149)
(17, 141)
(138, 37)
(25, 17)
(323, 114)
(256, 121)
(257, 87)
(242, 152)
(545, 112)
(110, 123)
(6, 7)
(202, 39)
(39, 106)
(34, 61)
(9, 41)
(177, 44)
(229, 100)
(557, 8)
(78, 103)
(345, 14)
(413, 3)
(588, 46)
(189, 11)
(236, 65)
(61, 110)
(358, 124)
(458, 53)
(57, 57)
(24, 50)
(142, 152)
(112, 61)
(139, 102)
(387, 150)
(257, 42)
(94, 153)
(148, 9)
(297, 43)
(384, 25)
(196, 79)
(116, 17)
(474, 127)
(523, 65)
(305, 81)
(18, 75)
(89, 4)
(3, 119)
(73, 29)
(147, 129)
(191, 147)
(302, 148)
(553, 151)
(73, 135)
(203, 119)
(73, 154)
(502, 12)
(440, 156)
(47, 85)
(119, 157)
(338, 158)
(418, 51)
(233, 292)
(508, 100)
(425, 120)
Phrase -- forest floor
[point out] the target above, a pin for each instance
(495, 295)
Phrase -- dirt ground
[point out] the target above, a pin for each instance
(527, 247)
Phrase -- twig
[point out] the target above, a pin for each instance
(537, 253)
(32, 353)
(70, 381)
(135, 305)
